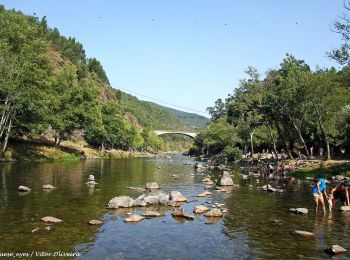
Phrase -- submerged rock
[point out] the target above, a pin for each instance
(299, 210)
(95, 222)
(50, 219)
(48, 187)
(152, 186)
(23, 188)
(134, 218)
(335, 250)
(226, 179)
(204, 194)
(151, 214)
(120, 202)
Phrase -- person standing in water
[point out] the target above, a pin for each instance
(340, 192)
(318, 190)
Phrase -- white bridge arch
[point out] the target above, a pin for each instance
(164, 132)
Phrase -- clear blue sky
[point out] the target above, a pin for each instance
(191, 52)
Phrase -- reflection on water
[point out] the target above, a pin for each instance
(258, 225)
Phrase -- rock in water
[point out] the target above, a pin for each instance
(23, 189)
(204, 194)
(200, 209)
(226, 179)
(303, 233)
(153, 198)
(213, 213)
(50, 219)
(177, 197)
(345, 208)
(48, 187)
(95, 222)
(335, 250)
(152, 186)
(120, 202)
(134, 218)
(151, 214)
(299, 210)
(180, 213)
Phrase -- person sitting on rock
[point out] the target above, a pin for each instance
(340, 192)
(318, 190)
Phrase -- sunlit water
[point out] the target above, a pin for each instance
(258, 226)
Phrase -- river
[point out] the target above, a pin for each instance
(258, 225)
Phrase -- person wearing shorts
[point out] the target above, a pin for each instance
(318, 190)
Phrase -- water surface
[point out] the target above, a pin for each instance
(258, 226)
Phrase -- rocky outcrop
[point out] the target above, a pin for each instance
(120, 202)
(226, 179)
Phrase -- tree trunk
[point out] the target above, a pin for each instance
(286, 147)
(300, 136)
(251, 142)
(272, 140)
(4, 147)
(103, 147)
(323, 130)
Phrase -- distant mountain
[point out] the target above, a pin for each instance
(190, 119)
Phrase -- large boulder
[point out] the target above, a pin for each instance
(151, 214)
(156, 198)
(152, 186)
(120, 202)
(226, 179)
(299, 210)
(23, 188)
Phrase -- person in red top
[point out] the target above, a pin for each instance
(340, 192)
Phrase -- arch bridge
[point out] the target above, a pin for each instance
(164, 132)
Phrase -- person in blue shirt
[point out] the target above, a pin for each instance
(318, 190)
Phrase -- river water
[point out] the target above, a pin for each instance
(258, 225)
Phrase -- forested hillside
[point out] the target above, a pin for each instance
(49, 87)
(192, 120)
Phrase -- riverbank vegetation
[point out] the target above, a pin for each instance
(51, 92)
(292, 109)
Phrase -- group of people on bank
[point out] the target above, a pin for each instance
(339, 191)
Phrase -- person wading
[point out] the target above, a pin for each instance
(318, 190)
